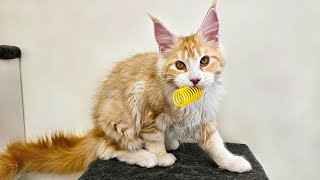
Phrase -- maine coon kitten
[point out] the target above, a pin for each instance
(135, 120)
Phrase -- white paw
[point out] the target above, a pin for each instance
(172, 145)
(166, 159)
(104, 152)
(141, 157)
(236, 164)
(146, 159)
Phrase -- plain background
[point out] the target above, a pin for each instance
(272, 101)
(11, 110)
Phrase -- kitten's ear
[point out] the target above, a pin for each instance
(164, 37)
(209, 29)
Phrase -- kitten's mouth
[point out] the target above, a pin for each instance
(178, 87)
(171, 82)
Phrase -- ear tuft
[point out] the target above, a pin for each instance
(164, 37)
(154, 19)
(213, 5)
(209, 29)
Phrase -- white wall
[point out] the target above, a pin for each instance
(271, 77)
(11, 110)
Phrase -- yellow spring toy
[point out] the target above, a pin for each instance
(186, 95)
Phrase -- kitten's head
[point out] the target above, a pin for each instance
(194, 60)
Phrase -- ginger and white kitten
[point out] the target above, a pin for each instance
(135, 120)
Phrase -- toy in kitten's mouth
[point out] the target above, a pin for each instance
(186, 95)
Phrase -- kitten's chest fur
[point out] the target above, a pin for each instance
(201, 110)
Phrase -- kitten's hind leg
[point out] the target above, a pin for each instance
(140, 157)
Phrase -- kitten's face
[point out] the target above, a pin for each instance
(194, 60)
(191, 61)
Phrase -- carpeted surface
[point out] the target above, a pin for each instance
(192, 163)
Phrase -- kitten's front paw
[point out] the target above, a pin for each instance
(141, 157)
(147, 159)
(237, 164)
(166, 159)
(172, 145)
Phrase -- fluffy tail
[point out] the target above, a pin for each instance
(60, 153)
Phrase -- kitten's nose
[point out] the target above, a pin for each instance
(195, 81)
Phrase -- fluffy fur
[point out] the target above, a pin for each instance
(134, 117)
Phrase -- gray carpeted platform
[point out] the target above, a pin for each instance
(192, 163)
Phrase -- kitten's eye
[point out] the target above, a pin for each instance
(180, 65)
(204, 61)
